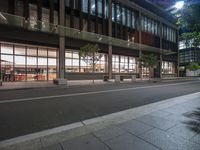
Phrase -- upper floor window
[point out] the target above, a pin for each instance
(99, 8)
(118, 14)
(85, 6)
(113, 12)
(128, 18)
(67, 3)
(92, 7)
(123, 16)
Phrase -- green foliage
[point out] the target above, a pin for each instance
(190, 18)
(191, 35)
(89, 54)
(193, 66)
(149, 61)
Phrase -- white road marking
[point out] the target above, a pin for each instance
(88, 93)
(90, 125)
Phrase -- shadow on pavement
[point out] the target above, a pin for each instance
(194, 123)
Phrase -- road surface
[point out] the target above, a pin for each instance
(26, 111)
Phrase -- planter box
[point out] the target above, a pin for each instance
(60, 81)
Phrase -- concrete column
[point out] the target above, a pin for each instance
(140, 42)
(61, 53)
(110, 35)
(110, 61)
(178, 63)
(160, 49)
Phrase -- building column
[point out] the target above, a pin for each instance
(178, 63)
(140, 42)
(160, 50)
(61, 52)
(110, 35)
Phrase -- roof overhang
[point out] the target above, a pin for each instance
(33, 25)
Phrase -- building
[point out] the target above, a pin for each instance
(40, 39)
(187, 54)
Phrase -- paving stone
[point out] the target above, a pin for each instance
(167, 141)
(196, 139)
(191, 104)
(160, 113)
(86, 142)
(177, 118)
(109, 133)
(178, 109)
(53, 147)
(157, 122)
(129, 142)
(182, 131)
(135, 127)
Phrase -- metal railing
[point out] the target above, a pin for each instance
(35, 25)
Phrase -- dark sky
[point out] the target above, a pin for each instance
(164, 3)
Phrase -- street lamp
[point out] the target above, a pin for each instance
(179, 4)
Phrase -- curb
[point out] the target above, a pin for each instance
(106, 83)
(48, 137)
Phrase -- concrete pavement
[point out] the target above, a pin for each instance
(27, 111)
(172, 124)
(172, 128)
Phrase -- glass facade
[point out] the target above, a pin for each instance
(124, 64)
(187, 56)
(27, 63)
(150, 25)
(169, 34)
(74, 63)
(168, 67)
(123, 15)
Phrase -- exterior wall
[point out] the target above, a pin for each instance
(159, 33)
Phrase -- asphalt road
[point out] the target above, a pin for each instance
(27, 111)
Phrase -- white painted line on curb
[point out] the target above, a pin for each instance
(102, 121)
(88, 93)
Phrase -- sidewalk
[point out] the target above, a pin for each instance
(173, 128)
(172, 124)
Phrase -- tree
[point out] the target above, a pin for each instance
(149, 61)
(193, 66)
(190, 18)
(90, 55)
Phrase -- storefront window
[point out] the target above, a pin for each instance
(52, 64)
(20, 68)
(42, 69)
(32, 51)
(31, 68)
(115, 63)
(123, 64)
(73, 63)
(42, 52)
(6, 49)
(133, 65)
(168, 67)
(7, 67)
(51, 68)
(27, 63)
(20, 50)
